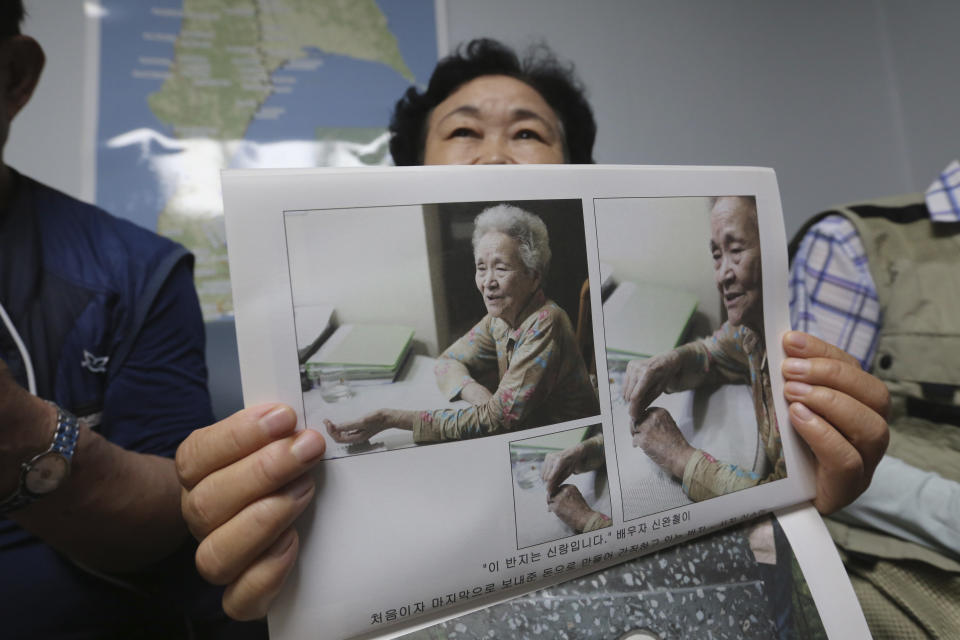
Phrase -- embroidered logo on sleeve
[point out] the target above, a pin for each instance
(94, 364)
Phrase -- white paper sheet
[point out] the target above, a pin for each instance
(398, 538)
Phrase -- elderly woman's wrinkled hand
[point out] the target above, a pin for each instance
(569, 505)
(359, 430)
(244, 481)
(657, 434)
(560, 465)
(645, 380)
(840, 411)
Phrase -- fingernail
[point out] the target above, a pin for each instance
(278, 422)
(796, 366)
(283, 543)
(801, 412)
(301, 486)
(797, 339)
(308, 446)
(794, 388)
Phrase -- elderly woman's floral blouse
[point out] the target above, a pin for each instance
(543, 379)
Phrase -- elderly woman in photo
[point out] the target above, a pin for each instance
(526, 339)
(734, 354)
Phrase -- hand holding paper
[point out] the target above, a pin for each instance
(840, 410)
(244, 481)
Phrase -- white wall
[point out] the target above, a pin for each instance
(924, 46)
(668, 244)
(370, 264)
(51, 139)
(846, 100)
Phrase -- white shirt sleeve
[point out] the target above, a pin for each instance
(912, 504)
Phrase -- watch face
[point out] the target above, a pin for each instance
(46, 473)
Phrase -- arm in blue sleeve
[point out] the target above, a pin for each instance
(159, 395)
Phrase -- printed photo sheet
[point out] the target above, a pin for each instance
(524, 374)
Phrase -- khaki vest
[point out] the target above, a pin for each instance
(915, 265)
(907, 590)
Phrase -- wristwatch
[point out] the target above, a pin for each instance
(44, 472)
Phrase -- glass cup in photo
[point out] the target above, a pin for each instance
(334, 384)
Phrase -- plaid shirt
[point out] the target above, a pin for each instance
(832, 293)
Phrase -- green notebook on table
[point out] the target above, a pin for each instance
(643, 319)
(365, 347)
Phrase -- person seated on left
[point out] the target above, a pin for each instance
(525, 339)
(102, 324)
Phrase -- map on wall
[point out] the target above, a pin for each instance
(189, 87)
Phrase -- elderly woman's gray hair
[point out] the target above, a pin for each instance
(751, 201)
(526, 228)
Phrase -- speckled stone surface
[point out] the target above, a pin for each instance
(708, 588)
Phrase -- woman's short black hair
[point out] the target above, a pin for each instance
(539, 69)
(11, 15)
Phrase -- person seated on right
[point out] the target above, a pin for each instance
(243, 515)
(881, 279)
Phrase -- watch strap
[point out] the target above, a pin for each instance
(64, 443)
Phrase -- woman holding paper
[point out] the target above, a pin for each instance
(246, 478)
(526, 339)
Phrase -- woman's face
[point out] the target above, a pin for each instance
(493, 120)
(503, 280)
(735, 245)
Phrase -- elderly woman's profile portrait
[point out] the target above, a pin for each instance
(693, 409)
(734, 354)
(494, 347)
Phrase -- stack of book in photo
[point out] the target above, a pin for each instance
(365, 353)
